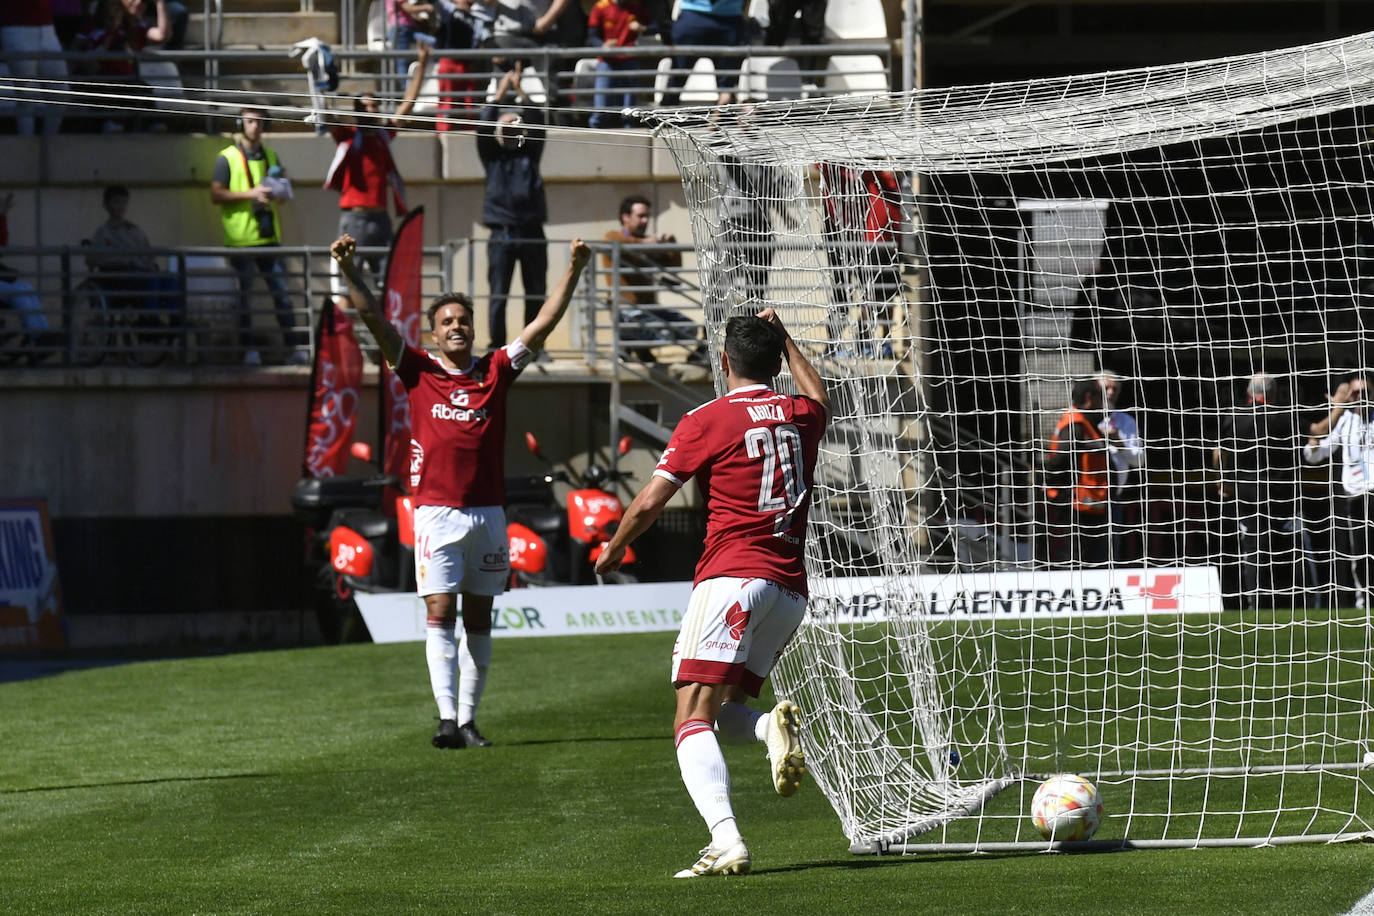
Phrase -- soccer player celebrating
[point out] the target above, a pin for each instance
(753, 452)
(457, 477)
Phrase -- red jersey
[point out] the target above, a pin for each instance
(458, 426)
(612, 22)
(363, 176)
(869, 200)
(753, 453)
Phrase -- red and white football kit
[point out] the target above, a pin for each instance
(753, 453)
(458, 468)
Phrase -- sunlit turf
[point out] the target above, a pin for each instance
(304, 782)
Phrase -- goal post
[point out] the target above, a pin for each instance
(954, 261)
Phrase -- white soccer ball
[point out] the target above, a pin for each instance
(1066, 808)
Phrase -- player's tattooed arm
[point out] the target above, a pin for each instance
(384, 332)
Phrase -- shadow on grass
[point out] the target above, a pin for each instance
(892, 861)
(137, 782)
(12, 670)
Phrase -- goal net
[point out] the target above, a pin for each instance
(998, 594)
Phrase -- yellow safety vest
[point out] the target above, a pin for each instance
(239, 221)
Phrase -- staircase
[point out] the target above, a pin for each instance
(265, 24)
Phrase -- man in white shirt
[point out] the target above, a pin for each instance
(1126, 451)
(1348, 428)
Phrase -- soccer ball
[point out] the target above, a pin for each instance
(1066, 808)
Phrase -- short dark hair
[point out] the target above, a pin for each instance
(1085, 390)
(114, 190)
(628, 203)
(754, 346)
(448, 299)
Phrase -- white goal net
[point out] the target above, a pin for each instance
(1003, 589)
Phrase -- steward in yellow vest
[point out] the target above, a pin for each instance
(247, 211)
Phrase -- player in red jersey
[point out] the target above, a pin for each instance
(457, 477)
(753, 453)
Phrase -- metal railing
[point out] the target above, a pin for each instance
(177, 85)
(57, 310)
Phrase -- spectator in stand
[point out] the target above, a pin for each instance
(403, 21)
(1126, 450)
(861, 219)
(456, 28)
(642, 271)
(119, 26)
(67, 16)
(363, 171)
(1077, 481)
(178, 17)
(781, 15)
(514, 207)
(19, 295)
(707, 22)
(120, 254)
(1259, 460)
(521, 24)
(615, 24)
(26, 27)
(248, 182)
(1348, 428)
(752, 194)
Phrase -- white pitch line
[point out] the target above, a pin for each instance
(1364, 906)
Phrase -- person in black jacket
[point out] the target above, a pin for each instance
(514, 208)
(1259, 455)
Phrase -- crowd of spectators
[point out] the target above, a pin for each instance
(103, 38)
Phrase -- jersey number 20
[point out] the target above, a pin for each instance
(780, 448)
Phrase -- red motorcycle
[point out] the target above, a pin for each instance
(352, 545)
(558, 545)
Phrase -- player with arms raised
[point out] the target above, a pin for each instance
(753, 453)
(457, 477)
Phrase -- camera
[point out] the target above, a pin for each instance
(266, 225)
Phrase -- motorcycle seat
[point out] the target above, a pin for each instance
(366, 522)
(539, 519)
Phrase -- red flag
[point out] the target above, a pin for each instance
(336, 385)
(401, 304)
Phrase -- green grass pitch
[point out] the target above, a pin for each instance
(303, 782)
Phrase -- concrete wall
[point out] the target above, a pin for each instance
(57, 184)
(116, 443)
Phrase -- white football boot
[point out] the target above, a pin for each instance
(730, 860)
(785, 757)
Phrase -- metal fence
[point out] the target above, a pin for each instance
(197, 89)
(196, 306)
(84, 306)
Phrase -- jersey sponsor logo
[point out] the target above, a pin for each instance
(667, 453)
(458, 414)
(458, 398)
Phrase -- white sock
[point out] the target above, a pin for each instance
(474, 658)
(740, 723)
(441, 651)
(707, 779)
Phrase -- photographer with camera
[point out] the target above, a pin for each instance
(1348, 428)
(247, 184)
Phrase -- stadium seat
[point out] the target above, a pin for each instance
(855, 74)
(769, 79)
(427, 102)
(700, 88)
(163, 78)
(376, 26)
(584, 81)
(855, 20)
(530, 81)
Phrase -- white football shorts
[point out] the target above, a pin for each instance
(734, 632)
(461, 550)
